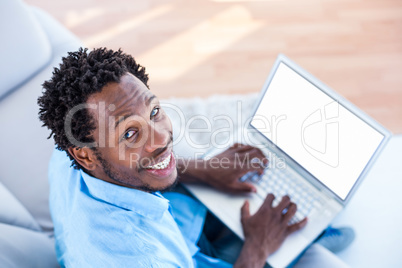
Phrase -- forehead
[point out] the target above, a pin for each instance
(129, 96)
(130, 88)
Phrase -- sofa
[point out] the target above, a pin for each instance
(33, 44)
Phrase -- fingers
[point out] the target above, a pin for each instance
(244, 187)
(245, 174)
(290, 213)
(250, 150)
(252, 162)
(267, 204)
(241, 147)
(257, 160)
(250, 158)
(297, 226)
(269, 199)
(245, 211)
(236, 145)
(285, 202)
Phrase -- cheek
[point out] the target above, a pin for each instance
(166, 125)
(135, 160)
(168, 122)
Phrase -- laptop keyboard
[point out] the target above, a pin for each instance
(281, 182)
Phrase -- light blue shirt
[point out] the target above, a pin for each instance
(99, 224)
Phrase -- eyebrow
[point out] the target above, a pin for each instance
(121, 119)
(148, 101)
(124, 117)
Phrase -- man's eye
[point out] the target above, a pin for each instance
(155, 112)
(129, 134)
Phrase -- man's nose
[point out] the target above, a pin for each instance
(158, 138)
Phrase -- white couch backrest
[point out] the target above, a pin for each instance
(25, 48)
(25, 151)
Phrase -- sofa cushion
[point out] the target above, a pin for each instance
(60, 38)
(25, 47)
(21, 247)
(25, 150)
(13, 213)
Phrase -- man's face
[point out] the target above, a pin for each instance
(134, 137)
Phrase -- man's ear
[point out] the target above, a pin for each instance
(84, 156)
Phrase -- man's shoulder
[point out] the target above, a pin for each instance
(116, 238)
(95, 233)
(59, 159)
(63, 181)
(111, 249)
(97, 223)
(60, 169)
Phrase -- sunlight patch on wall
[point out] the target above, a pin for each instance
(186, 50)
(75, 18)
(108, 34)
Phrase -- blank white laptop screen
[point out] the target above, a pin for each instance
(326, 139)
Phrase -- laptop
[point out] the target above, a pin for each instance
(319, 146)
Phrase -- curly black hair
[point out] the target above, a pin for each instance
(80, 75)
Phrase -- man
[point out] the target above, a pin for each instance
(105, 196)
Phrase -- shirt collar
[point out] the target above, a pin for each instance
(151, 205)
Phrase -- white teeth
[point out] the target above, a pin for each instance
(161, 165)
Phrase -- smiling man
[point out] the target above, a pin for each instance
(139, 155)
(113, 159)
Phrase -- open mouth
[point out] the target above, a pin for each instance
(164, 168)
(161, 165)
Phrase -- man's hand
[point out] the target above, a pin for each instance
(225, 169)
(266, 230)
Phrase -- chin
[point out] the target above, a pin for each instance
(170, 187)
(160, 184)
(172, 182)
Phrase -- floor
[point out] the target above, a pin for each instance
(206, 47)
